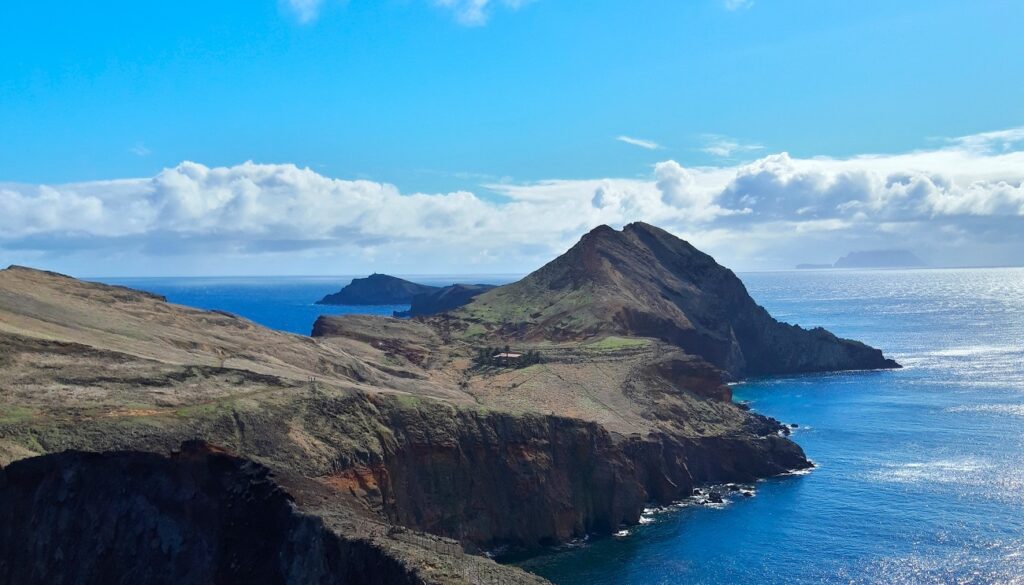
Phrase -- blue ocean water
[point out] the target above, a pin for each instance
(920, 475)
(283, 303)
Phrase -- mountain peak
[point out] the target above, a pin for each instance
(645, 282)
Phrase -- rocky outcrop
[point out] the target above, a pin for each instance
(443, 299)
(377, 289)
(200, 516)
(643, 281)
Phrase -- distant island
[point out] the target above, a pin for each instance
(377, 289)
(383, 289)
(872, 259)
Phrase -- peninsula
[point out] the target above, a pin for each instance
(390, 450)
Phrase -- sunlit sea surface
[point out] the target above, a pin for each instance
(920, 471)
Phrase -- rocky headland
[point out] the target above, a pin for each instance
(644, 282)
(377, 289)
(388, 443)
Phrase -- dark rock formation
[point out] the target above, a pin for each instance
(197, 517)
(377, 289)
(645, 282)
(443, 299)
(880, 259)
(496, 478)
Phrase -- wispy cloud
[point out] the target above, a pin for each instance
(725, 147)
(466, 12)
(996, 141)
(477, 12)
(305, 11)
(140, 150)
(734, 5)
(648, 144)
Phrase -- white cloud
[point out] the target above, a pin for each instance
(725, 147)
(963, 203)
(305, 11)
(648, 144)
(140, 150)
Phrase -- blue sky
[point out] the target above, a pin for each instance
(437, 97)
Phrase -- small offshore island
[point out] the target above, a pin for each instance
(871, 259)
(382, 450)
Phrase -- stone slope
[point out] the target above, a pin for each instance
(644, 282)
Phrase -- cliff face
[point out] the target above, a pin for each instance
(198, 517)
(377, 289)
(531, 480)
(645, 282)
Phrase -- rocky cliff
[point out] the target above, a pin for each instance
(533, 480)
(644, 282)
(198, 517)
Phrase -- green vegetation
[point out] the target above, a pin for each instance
(11, 413)
(613, 342)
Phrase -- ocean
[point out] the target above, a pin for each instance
(920, 471)
(286, 303)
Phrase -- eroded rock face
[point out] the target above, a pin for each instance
(198, 517)
(533, 480)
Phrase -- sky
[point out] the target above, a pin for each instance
(485, 136)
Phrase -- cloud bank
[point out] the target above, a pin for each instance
(961, 203)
